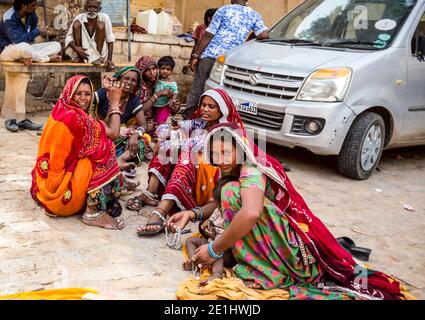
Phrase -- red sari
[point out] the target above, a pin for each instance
(189, 184)
(338, 264)
(75, 157)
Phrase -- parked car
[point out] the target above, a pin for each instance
(337, 77)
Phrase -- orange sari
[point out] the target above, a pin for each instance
(75, 157)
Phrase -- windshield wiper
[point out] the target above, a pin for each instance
(297, 42)
(350, 42)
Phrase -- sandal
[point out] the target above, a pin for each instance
(349, 245)
(136, 204)
(150, 232)
(131, 173)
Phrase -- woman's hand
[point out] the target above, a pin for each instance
(175, 106)
(180, 220)
(202, 258)
(165, 93)
(133, 144)
(114, 90)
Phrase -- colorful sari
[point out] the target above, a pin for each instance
(290, 246)
(100, 109)
(75, 158)
(191, 183)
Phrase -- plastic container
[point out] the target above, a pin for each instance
(148, 20)
(165, 24)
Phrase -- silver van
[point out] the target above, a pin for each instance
(337, 77)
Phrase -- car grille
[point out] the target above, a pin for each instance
(264, 119)
(261, 83)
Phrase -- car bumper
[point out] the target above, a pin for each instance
(338, 119)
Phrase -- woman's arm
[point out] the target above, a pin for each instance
(181, 219)
(113, 125)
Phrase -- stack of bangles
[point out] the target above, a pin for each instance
(199, 215)
(113, 111)
(212, 253)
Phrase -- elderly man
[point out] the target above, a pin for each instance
(90, 38)
(230, 27)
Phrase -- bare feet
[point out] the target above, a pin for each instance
(203, 283)
(105, 221)
(55, 58)
(252, 285)
(27, 62)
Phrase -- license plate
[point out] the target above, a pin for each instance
(247, 107)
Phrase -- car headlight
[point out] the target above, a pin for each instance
(327, 85)
(217, 70)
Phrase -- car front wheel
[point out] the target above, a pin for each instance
(362, 147)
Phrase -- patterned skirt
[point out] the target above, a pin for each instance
(271, 254)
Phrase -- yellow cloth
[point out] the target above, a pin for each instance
(228, 288)
(59, 294)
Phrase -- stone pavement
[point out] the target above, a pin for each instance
(38, 252)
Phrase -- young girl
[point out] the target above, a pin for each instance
(166, 66)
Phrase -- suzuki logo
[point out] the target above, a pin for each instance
(255, 79)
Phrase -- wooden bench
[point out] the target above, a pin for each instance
(17, 76)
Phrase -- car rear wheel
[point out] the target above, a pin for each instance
(362, 147)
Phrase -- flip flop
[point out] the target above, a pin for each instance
(130, 173)
(152, 233)
(349, 245)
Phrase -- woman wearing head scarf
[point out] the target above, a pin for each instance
(185, 183)
(76, 169)
(274, 237)
(149, 71)
(132, 140)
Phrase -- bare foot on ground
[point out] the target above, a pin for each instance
(105, 221)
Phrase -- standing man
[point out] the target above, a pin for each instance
(90, 38)
(18, 30)
(229, 28)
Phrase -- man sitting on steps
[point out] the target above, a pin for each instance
(18, 30)
(90, 38)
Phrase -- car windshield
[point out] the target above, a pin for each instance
(356, 24)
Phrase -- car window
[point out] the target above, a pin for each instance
(418, 40)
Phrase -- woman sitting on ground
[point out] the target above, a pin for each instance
(275, 238)
(76, 166)
(187, 182)
(132, 141)
(149, 70)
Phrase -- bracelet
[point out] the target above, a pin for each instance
(115, 112)
(194, 220)
(212, 253)
(155, 96)
(195, 55)
(140, 131)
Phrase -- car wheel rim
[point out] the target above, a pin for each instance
(371, 149)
